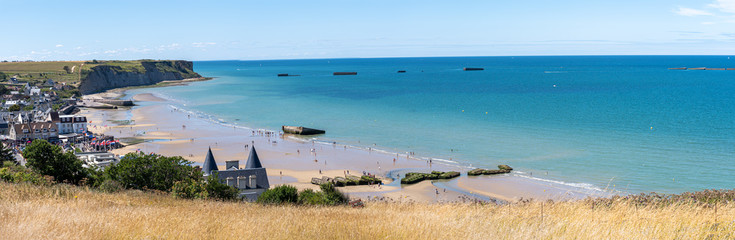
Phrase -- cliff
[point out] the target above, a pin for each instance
(116, 74)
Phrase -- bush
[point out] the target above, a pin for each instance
(18, 174)
(198, 188)
(332, 196)
(310, 197)
(218, 190)
(279, 195)
(111, 186)
(189, 189)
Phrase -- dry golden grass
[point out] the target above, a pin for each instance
(67, 212)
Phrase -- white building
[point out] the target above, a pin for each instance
(69, 123)
(97, 159)
(35, 91)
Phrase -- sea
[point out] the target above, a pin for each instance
(624, 123)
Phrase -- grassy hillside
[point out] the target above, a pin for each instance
(40, 71)
(36, 72)
(67, 212)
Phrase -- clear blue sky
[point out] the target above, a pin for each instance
(274, 29)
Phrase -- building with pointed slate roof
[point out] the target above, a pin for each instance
(251, 180)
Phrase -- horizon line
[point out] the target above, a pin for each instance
(337, 58)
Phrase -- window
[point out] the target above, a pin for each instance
(230, 181)
(253, 183)
(242, 182)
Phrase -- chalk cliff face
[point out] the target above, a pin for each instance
(104, 77)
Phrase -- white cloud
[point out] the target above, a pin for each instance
(690, 12)
(59, 45)
(727, 6)
(172, 46)
(202, 44)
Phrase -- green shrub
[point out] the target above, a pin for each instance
(18, 174)
(111, 186)
(189, 189)
(279, 195)
(198, 188)
(310, 197)
(332, 196)
(218, 190)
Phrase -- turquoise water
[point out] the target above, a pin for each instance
(623, 121)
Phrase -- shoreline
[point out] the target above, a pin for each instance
(156, 125)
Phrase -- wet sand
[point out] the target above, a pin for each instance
(169, 131)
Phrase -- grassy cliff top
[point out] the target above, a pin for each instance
(69, 72)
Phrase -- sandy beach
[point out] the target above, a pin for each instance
(155, 125)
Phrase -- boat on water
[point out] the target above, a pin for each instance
(301, 130)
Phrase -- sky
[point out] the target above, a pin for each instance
(276, 29)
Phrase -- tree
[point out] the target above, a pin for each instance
(14, 108)
(144, 171)
(67, 69)
(6, 155)
(48, 159)
(3, 89)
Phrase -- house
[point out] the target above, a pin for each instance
(35, 91)
(49, 83)
(37, 130)
(69, 123)
(251, 180)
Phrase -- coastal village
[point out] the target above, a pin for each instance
(51, 111)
